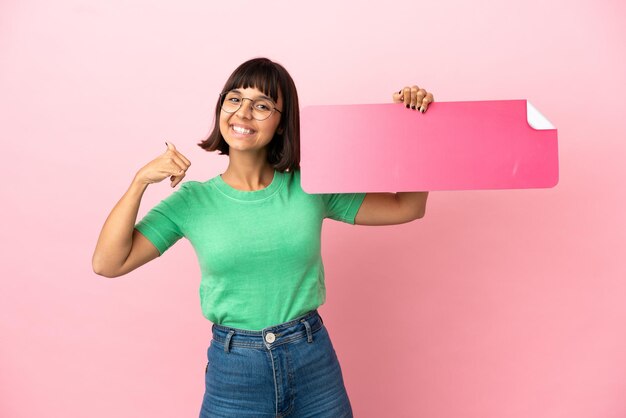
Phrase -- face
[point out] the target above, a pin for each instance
(244, 133)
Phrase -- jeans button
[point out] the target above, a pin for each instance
(270, 337)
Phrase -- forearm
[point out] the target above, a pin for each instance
(414, 202)
(116, 237)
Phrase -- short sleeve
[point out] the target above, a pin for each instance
(163, 225)
(342, 207)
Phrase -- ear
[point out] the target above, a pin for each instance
(279, 131)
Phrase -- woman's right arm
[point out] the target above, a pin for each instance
(121, 248)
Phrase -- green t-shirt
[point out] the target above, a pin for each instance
(259, 251)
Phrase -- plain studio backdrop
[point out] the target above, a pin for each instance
(497, 304)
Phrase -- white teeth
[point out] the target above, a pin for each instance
(242, 130)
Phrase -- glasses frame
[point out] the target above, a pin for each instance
(223, 97)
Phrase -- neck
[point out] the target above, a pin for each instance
(247, 173)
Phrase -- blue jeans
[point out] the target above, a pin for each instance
(286, 370)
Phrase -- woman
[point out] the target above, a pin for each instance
(257, 238)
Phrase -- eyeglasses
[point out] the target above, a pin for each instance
(261, 108)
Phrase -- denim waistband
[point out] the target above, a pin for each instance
(300, 327)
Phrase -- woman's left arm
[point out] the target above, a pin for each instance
(401, 207)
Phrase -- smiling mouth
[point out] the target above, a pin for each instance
(242, 131)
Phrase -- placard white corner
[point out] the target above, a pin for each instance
(536, 119)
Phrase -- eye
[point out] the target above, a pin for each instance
(262, 105)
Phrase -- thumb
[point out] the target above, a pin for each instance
(397, 96)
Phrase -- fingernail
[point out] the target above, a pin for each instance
(166, 143)
(413, 107)
(407, 106)
(422, 109)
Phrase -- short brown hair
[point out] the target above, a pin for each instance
(269, 77)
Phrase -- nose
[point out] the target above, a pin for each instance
(245, 111)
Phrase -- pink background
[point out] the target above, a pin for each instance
(503, 304)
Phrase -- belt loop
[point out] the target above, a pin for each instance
(309, 336)
(227, 342)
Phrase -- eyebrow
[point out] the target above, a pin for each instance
(262, 96)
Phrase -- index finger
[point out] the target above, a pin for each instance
(182, 157)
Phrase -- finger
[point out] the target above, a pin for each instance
(182, 157)
(428, 99)
(175, 165)
(171, 149)
(178, 168)
(170, 146)
(177, 158)
(419, 97)
(397, 96)
(172, 171)
(406, 92)
(177, 179)
(413, 92)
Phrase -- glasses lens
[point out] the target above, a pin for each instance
(261, 108)
(232, 102)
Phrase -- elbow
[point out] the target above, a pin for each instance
(420, 213)
(103, 273)
(422, 210)
(101, 270)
